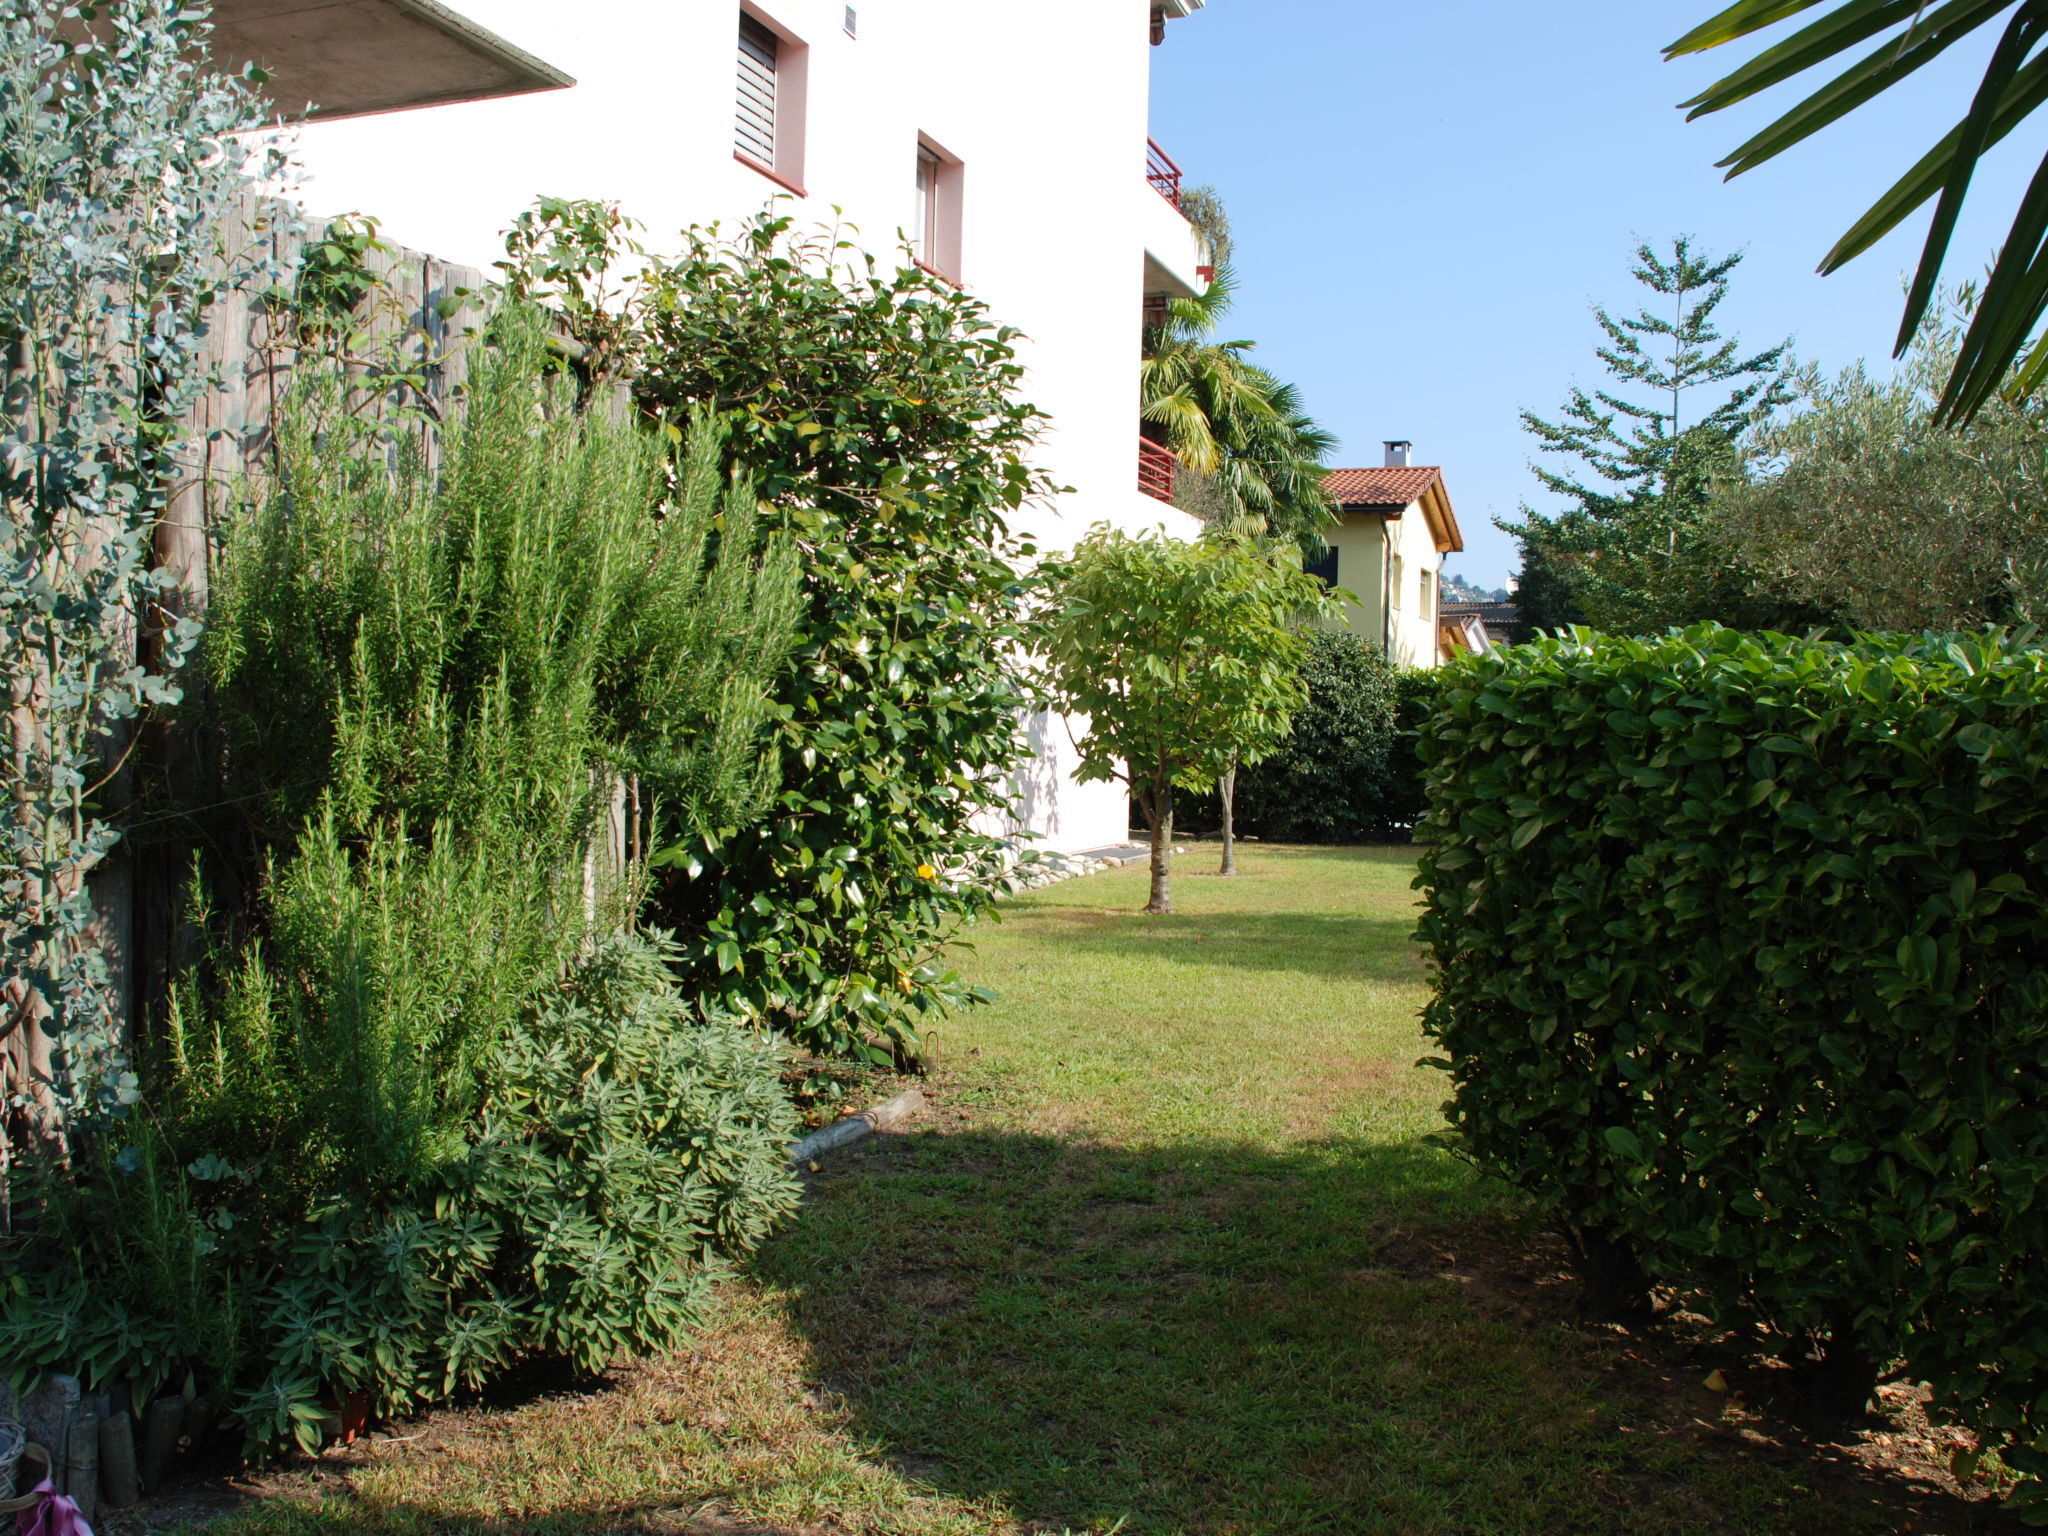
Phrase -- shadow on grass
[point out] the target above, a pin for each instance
(1230, 1341)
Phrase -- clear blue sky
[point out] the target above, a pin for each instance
(1428, 199)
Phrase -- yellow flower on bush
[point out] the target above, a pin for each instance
(926, 872)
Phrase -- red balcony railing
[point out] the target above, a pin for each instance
(1155, 469)
(1162, 172)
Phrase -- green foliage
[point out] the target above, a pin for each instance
(1202, 206)
(2013, 87)
(335, 277)
(1739, 943)
(1240, 434)
(382, 1146)
(622, 1151)
(569, 255)
(1346, 772)
(875, 410)
(104, 283)
(1185, 657)
(1870, 514)
(1546, 597)
(1633, 546)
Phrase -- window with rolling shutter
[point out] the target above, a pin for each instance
(754, 120)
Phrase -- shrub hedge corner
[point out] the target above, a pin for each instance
(1741, 953)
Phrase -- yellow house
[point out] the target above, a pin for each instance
(1396, 525)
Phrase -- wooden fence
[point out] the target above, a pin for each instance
(421, 313)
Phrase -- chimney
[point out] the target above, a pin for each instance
(1397, 453)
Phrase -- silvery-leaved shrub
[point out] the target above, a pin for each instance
(121, 163)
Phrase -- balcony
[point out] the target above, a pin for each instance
(1162, 172)
(1175, 257)
(1156, 465)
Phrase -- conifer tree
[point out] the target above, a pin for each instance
(1649, 451)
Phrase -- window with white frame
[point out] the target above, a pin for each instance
(924, 223)
(934, 229)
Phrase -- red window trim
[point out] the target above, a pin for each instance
(769, 171)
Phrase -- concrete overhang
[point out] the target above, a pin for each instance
(352, 58)
(1173, 251)
(1175, 10)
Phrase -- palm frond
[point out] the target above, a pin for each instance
(2013, 86)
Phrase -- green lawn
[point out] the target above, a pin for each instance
(1171, 1253)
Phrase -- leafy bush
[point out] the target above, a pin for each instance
(1347, 772)
(623, 1150)
(1741, 947)
(358, 1164)
(874, 408)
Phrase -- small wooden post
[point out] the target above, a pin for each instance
(118, 1481)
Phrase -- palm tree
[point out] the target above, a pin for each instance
(1909, 34)
(1242, 431)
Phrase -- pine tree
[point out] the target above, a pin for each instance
(1630, 553)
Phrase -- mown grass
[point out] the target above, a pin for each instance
(1171, 1253)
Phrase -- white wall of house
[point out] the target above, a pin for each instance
(1039, 116)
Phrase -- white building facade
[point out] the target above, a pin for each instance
(1007, 144)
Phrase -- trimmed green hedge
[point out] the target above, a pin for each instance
(1741, 951)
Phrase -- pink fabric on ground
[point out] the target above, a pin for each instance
(56, 1515)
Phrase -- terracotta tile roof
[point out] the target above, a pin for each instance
(1380, 487)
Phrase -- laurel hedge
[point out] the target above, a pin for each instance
(1740, 946)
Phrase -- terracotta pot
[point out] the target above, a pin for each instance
(347, 1419)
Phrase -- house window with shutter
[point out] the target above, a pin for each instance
(760, 62)
(768, 108)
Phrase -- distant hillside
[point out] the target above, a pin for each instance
(1457, 590)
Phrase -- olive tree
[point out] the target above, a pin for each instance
(1185, 657)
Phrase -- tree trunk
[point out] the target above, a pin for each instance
(1160, 809)
(1226, 791)
(1617, 1290)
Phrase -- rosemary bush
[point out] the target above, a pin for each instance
(384, 1146)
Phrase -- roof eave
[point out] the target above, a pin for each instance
(1443, 522)
(357, 58)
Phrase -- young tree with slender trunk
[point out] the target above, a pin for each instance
(1184, 656)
